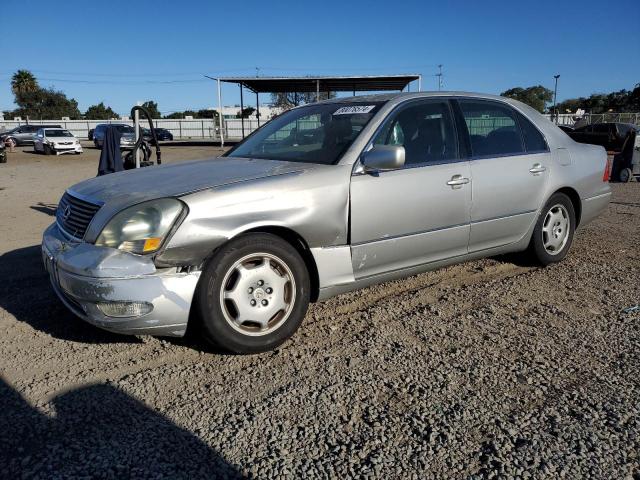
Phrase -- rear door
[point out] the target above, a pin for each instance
(510, 166)
(420, 213)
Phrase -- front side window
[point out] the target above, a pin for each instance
(317, 133)
(623, 130)
(493, 128)
(424, 129)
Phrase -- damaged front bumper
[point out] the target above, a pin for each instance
(91, 280)
(62, 149)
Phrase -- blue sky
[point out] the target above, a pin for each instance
(101, 51)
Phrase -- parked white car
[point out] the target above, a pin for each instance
(55, 141)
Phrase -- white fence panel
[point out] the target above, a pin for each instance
(201, 128)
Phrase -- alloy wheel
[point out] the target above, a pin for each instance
(258, 293)
(555, 229)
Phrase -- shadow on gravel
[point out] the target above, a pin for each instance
(520, 259)
(99, 432)
(46, 208)
(26, 294)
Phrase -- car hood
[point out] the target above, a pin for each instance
(62, 139)
(122, 189)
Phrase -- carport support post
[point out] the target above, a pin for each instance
(317, 90)
(258, 109)
(420, 82)
(241, 110)
(220, 119)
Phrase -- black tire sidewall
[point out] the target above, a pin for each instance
(537, 246)
(625, 172)
(215, 326)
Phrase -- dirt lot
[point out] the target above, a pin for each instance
(491, 368)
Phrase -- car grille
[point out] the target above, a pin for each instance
(74, 215)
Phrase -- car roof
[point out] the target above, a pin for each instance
(385, 97)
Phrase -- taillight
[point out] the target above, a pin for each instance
(607, 169)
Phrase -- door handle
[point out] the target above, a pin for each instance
(457, 181)
(537, 169)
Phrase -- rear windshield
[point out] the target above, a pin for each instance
(57, 133)
(317, 133)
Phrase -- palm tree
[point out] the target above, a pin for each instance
(23, 81)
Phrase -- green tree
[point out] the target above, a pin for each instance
(23, 82)
(287, 100)
(202, 113)
(152, 108)
(536, 96)
(100, 112)
(246, 112)
(45, 103)
(620, 101)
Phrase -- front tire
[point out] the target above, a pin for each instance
(553, 233)
(47, 150)
(253, 294)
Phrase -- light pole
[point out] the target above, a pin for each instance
(555, 98)
(439, 75)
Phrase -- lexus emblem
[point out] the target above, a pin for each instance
(66, 213)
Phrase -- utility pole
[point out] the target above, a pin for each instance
(555, 98)
(439, 75)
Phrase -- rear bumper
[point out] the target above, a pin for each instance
(594, 206)
(83, 275)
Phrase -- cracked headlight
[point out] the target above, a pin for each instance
(142, 228)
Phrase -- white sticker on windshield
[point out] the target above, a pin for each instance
(354, 109)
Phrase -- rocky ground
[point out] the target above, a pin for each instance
(488, 369)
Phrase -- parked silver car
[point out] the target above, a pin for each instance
(127, 135)
(24, 134)
(324, 199)
(56, 141)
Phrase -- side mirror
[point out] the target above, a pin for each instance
(383, 157)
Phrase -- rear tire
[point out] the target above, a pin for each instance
(253, 294)
(553, 233)
(625, 175)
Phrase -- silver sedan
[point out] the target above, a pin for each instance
(324, 199)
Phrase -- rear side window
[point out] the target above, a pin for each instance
(493, 128)
(533, 139)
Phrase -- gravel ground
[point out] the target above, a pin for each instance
(492, 368)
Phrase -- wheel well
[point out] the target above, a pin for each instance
(575, 200)
(297, 242)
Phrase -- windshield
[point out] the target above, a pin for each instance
(57, 133)
(318, 133)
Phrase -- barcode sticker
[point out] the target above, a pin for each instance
(354, 109)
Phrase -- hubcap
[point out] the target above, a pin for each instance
(258, 293)
(555, 229)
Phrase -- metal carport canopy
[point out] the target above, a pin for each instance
(370, 83)
(317, 84)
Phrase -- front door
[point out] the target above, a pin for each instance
(420, 213)
(510, 166)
